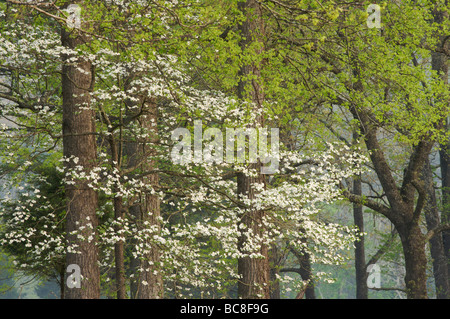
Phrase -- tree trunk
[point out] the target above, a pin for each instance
(404, 210)
(405, 206)
(135, 211)
(254, 272)
(151, 264)
(306, 274)
(79, 145)
(305, 271)
(62, 283)
(415, 261)
(274, 260)
(440, 270)
(360, 258)
(362, 291)
(148, 283)
(119, 257)
(439, 63)
(444, 155)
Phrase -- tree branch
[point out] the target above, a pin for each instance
(433, 232)
(416, 162)
(388, 289)
(361, 200)
(382, 250)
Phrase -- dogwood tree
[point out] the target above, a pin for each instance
(180, 222)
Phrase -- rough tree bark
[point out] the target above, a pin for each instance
(305, 271)
(146, 209)
(79, 142)
(440, 244)
(254, 272)
(432, 219)
(360, 257)
(403, 211)
(274, 261)
(439, 62)
(444, 155)
(119, 250)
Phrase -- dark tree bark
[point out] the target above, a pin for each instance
(149, 284)
(440, 270)
(402, 210)
(413, 244)
(439, 63)
(360, 257)
(79, 142)
(444, 155)
(62, 283)
(254, 272)
(440, 244)
(362, 291)
(305, 272)
(274, 261)
(119, 250)
(146, 211)
(119, 253)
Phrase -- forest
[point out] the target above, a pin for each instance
(224, 149)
